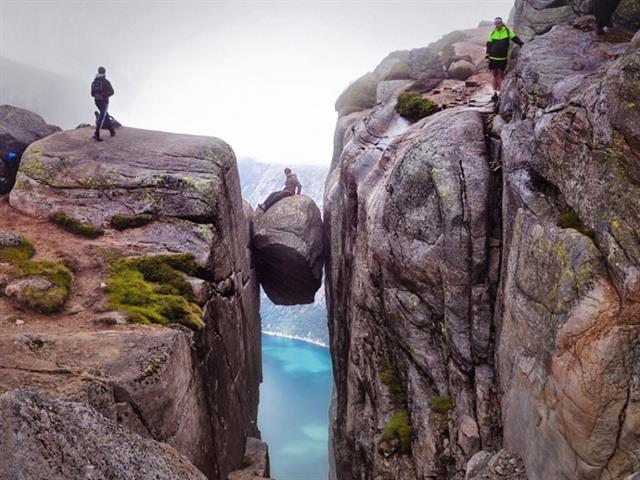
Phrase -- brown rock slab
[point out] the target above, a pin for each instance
(44, 438)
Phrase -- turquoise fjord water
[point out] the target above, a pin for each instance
(294, 405)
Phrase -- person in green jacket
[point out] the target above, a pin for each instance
(498, 52)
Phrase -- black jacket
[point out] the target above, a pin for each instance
(101, 88)
(498, 43)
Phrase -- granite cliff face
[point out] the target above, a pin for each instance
(169, 206)
(482, 276)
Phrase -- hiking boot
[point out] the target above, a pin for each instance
(96, 138)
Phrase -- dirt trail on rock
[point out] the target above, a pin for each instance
(90, 260)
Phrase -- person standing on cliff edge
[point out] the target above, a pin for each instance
(604, 10)
(101, 90)
(498, 52)
(292, 186)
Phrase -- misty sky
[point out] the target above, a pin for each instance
(261, 75)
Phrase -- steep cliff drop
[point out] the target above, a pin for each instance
(482, 275)
(147, 227)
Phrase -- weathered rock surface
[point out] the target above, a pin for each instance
(411, 273)
(19, 128)
(255, 463)
(288, 248)
(194, 391)
(533, 17)
(570, 318)
(40, 439)
(498, 466)
(483, 279)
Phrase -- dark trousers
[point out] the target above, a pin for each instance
(103, 117)
(604, 10)
(274, 198)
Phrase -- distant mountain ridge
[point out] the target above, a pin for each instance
(305, 322)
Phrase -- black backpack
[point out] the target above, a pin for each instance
(98, 88)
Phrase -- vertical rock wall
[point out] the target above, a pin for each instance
(568, 349)
(411, 277)
(482, 277)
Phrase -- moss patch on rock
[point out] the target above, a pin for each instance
(414, 106)
(73, 225)
(398, 427)
(25, 275)
(124, 222)
(571, 220)
(441, 404)
(153, 290)
(13, 253)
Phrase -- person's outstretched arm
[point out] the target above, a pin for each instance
(515, 39)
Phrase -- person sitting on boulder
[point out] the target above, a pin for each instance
(498, 52)
(292, 186)
(604, 10)
(101, 90)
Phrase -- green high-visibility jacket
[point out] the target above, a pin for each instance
(498, 43)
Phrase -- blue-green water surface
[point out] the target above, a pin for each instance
(294, 405)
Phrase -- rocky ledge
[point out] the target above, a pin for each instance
(141, 229)
(288, 246)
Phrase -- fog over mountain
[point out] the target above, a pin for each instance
(60, 99)
(262, 76)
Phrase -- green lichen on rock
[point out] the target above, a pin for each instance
(414, 106)
(58, 279)
(398, 427)
(153, 290)
(73, 225)
(123, 222)
(571, 220)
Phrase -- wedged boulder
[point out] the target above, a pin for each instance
(40, 439)
(288, 246)
(19, 128)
